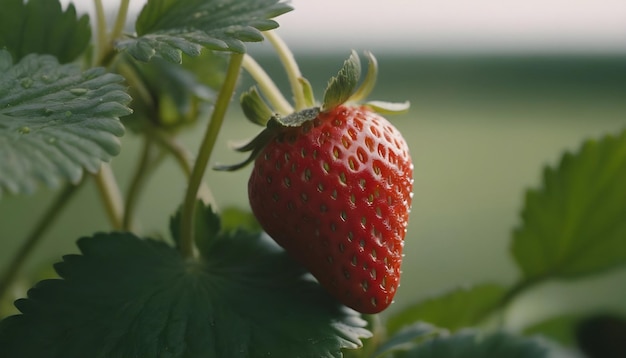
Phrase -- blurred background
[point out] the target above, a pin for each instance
(498, 90)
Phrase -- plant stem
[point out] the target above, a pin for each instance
(267, 86)
(110, 195)
(206, 149)
(101, 31)
(291, 67)
(137, 180)
(513, 292)
(517, 289)
(106, 52)
(185, 162)
(27, 247)
(120, 20)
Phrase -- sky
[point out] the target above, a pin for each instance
(570, 26)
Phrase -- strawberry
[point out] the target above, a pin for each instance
(333, 187)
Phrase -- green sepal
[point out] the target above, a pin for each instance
(254, 147)
(274, 126)
(307, 90)
(369, 82)
(342, 86)
(254, 107)
(295, 119)
(383, 107)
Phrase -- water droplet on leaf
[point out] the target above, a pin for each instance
(78, 91)
(26, 83)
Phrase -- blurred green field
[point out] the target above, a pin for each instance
(480, 130)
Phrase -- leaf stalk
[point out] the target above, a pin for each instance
(267, 86)
(138, 178)
(111, 196)
(120, 20)
(204, 154)
(101, 31)
(291, 67)
(106, 52)
(183, 158)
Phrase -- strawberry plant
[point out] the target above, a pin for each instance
(313, 267)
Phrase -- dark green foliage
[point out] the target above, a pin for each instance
(473, 344)
(128, 297)
(55, 121)
(42, 27)
(167, 28)
(460, 308)
(574, 224)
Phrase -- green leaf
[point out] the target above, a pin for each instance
(128, 297)
(463, 307)
(42, 27)
(560, 329)
(472, 344)
(575, 223)
(234, 218)
(599, 334)
(166, 95)
(167, 28)
(342, 86)
(407, 338)
(207, 226)
(56, 121)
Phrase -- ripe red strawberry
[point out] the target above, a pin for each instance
(332, 185)
(336, 193)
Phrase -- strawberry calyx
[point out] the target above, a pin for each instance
(342, 89)
(274, 125)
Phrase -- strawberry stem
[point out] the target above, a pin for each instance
(204, 154)
(120, 20)
(184, 160)
(291, 67)
(267, 86)
(101, 31)
(105, 51)
(141, 172)
(111, 195)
